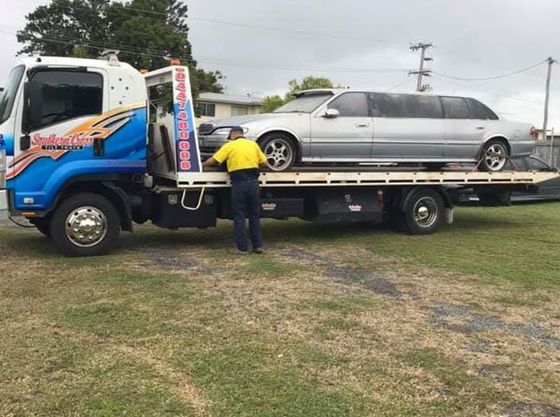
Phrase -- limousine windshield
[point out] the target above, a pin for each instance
(305, 103)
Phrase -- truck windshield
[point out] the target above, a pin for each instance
(304, 104)
(8, 97)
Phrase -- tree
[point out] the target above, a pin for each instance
(309, 83)
(271, 103)
(147, 32)
(63, 25)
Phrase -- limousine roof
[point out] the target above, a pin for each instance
(340, 90)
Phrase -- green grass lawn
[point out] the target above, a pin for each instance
(334, 320)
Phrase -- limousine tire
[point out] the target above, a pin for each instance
(495, 155)
(423, 213)
(280, 151)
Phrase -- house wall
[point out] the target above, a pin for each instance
(225, 110)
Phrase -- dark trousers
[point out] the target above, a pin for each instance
(245, 203)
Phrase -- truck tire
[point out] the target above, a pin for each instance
(43, 226)
(86, 224)
(280, 151)
(422, 214)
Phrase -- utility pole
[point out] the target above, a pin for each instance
(421, 72)
(549, 61)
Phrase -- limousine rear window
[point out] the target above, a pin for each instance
(456, 108)
(480, 111)
(305, 103)
(407, 106)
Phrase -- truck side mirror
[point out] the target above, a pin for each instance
(25, 125)
(25, 140)
(32, 107)
(331, 114)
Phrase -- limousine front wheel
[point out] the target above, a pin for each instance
(494, 156)
(280, 151)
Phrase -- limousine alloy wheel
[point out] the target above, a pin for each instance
(494, 156)
(280, 151)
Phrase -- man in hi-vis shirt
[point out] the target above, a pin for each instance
(243, 158)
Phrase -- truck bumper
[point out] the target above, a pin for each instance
(4, 206)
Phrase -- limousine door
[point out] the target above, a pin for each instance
(343, 134)
(464, 131)
(407, 126)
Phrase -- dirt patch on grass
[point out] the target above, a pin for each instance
(315, 327)
(532, 410)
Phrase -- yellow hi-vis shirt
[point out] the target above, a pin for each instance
(240, 154)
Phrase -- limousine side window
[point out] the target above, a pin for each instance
(480, 111)
(351, 105)
(407, 106)
(456, 108)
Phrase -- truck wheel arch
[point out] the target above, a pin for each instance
(401, 201)
(105, 187)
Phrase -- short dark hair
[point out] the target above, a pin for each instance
(237, 129)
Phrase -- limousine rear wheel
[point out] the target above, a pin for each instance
(494, 156)
(280, 151)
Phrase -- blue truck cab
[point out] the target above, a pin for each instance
(77, 130)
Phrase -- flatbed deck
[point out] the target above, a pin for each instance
(305, 178)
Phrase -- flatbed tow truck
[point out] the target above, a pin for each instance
(90, 147)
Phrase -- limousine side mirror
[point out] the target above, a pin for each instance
(331, 114)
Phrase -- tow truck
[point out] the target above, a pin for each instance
(88, 148)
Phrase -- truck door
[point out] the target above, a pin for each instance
(53, 136)
(346, 133)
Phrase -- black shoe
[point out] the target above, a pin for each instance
(258, 251)
(236, 251)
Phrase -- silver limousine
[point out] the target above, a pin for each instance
(348, 126)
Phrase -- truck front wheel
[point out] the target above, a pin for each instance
(85, 224)
(422, 214)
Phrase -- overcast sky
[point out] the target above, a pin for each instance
(365, 44)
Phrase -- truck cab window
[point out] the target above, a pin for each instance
(351, 105)
(60, 95)
(8, 96)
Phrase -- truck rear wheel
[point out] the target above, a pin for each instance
(422, 214)
(85, 224)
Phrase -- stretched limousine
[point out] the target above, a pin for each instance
(348, 126)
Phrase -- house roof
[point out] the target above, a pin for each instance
(230, 99)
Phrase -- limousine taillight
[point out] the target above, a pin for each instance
(534, 133)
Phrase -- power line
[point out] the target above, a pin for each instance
(295, 31)
(131, 10)
(494, 77)
(212, 60)
(496, 93)
(398, 85)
